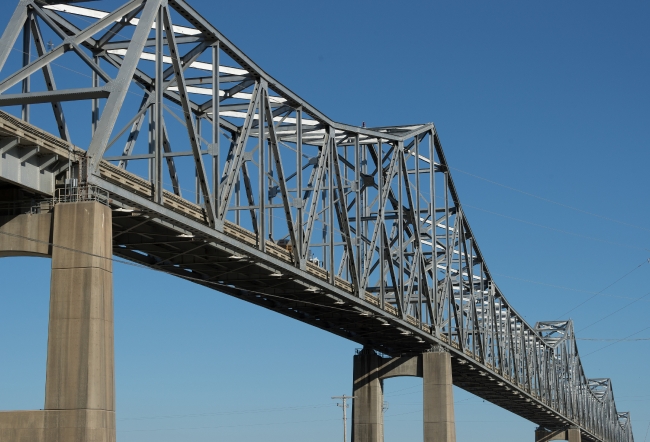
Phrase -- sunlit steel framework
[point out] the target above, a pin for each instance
(355, 230)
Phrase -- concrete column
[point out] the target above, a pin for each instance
(573, 435)
(367, 414)
(80, 386)
(80, 355)
(439, 423)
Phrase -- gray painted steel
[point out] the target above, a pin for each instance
(293, 211)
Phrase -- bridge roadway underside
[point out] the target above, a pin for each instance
(222, 263)
(209, 261)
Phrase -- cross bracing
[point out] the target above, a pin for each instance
(221, 175)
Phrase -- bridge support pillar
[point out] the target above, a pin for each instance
(371, 369)
(439, 423)
(571, 434)
(367, 407)
(79, 388)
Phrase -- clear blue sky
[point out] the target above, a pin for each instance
(550, 99)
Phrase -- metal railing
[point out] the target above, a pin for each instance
(82, 193)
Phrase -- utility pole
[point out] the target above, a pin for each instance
(344, 405)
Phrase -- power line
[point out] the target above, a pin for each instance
(226, 426)
(566, 206)
(598, 293)
(616, 342)
(592, 238)
(225, 413)
(614, 312)
(572, 289)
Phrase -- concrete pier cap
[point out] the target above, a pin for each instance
(80, 384)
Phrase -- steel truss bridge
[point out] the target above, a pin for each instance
(219, 174)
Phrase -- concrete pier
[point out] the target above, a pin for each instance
(371, 369)
(570, 434)
(80, 386)
(439, 423)
(367, 413)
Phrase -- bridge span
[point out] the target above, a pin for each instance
(204, 166)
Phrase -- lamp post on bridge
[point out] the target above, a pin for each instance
(344, 406)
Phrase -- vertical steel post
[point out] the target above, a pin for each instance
(330, 190)
(151, 139)
(358, 224)
(215, 123)
(399, 151)
(238, 198)
(27, 52)
(365, 209)
(448, 256)
(434, 241)
(261, 179)
(484, 327)
(380, 209)
(269, 181)
(95, 101)
(158, 106)
(299, 196)
(197, 184)
(460, 320)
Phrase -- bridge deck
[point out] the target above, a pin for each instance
(178, 241)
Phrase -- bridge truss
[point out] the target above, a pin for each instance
(219, 174)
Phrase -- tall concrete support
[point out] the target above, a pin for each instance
(570, 434)
(573, 435)
(80, 386)
(368, 392)
(371, 369)
(80, 364)
(439, 423)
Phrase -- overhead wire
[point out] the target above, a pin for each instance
(227, 426)
(226, 413)
(566, 206)
(616, 311)
(579, 235)
(613, 283)
(612, 339)
(616, 342)
(555, 286)
(263, 410)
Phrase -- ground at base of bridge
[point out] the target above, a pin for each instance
(80, 386)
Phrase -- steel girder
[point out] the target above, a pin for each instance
(369, 217)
